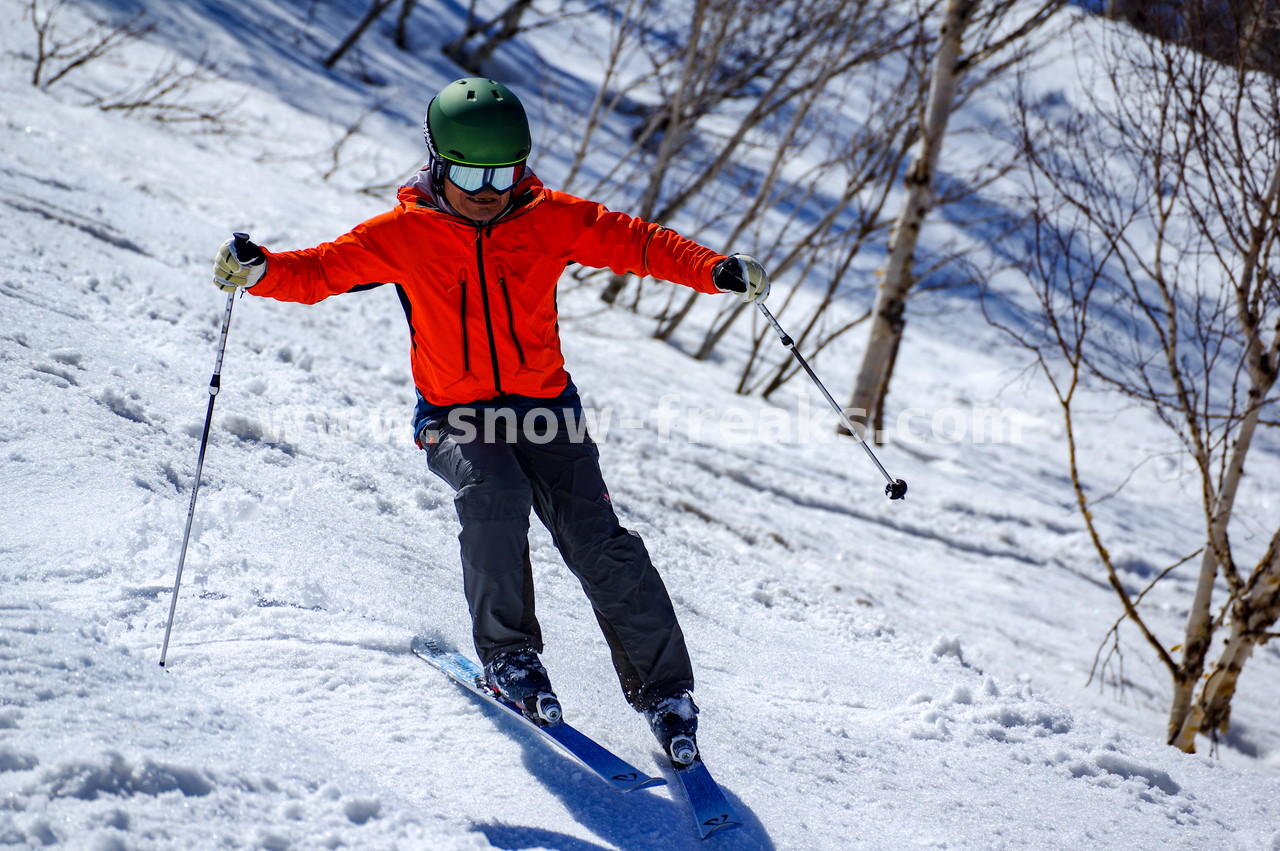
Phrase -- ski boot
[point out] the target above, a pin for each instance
(674, 721)
(517, 676)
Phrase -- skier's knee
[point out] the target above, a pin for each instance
(495, 497)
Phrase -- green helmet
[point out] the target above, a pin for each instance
(479, 122)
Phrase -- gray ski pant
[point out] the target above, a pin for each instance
(499, 472)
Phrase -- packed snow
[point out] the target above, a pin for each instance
(872, 675)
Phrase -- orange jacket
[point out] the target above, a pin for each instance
(481, 300)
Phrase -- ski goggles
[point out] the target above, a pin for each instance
(470, 178)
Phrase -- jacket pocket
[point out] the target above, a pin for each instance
(511, 320)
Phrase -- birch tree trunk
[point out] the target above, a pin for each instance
(1261, 367)
(1200, 628)
(888, 318)
(1254, 616)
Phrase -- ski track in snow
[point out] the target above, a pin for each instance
(872, 675)
(104, 750)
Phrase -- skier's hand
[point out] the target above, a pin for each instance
(239, 263)
(743, 275)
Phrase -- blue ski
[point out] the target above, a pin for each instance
(612, 769)
(711, 809)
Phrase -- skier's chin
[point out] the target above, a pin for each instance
(481, 208)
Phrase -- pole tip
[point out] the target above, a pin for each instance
(896, 489)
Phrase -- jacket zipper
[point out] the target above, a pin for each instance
(511, 320)
(488, 318)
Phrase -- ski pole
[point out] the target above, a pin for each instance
(897, 488)
(215, 384)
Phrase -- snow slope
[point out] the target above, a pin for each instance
(872, 675)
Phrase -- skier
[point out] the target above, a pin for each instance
(475, 248)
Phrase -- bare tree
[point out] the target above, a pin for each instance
(402, 23)
(482, 37)
(375, 10)
(167, 93)
(626, 39)
(333, 159)
(863, 166)
(1244, 33)
(849, 183)
(494, 32)
(58, 55)
(709, 73)
(998, 39)
(759, 62)
(1154, 253)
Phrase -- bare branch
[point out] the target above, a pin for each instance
(56, 57)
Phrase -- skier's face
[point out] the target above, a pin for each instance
(480, 206)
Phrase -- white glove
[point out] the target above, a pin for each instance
(743, 275)
(239, 264)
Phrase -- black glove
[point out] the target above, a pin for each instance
(741, 274)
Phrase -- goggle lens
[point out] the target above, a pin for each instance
(472, 179)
